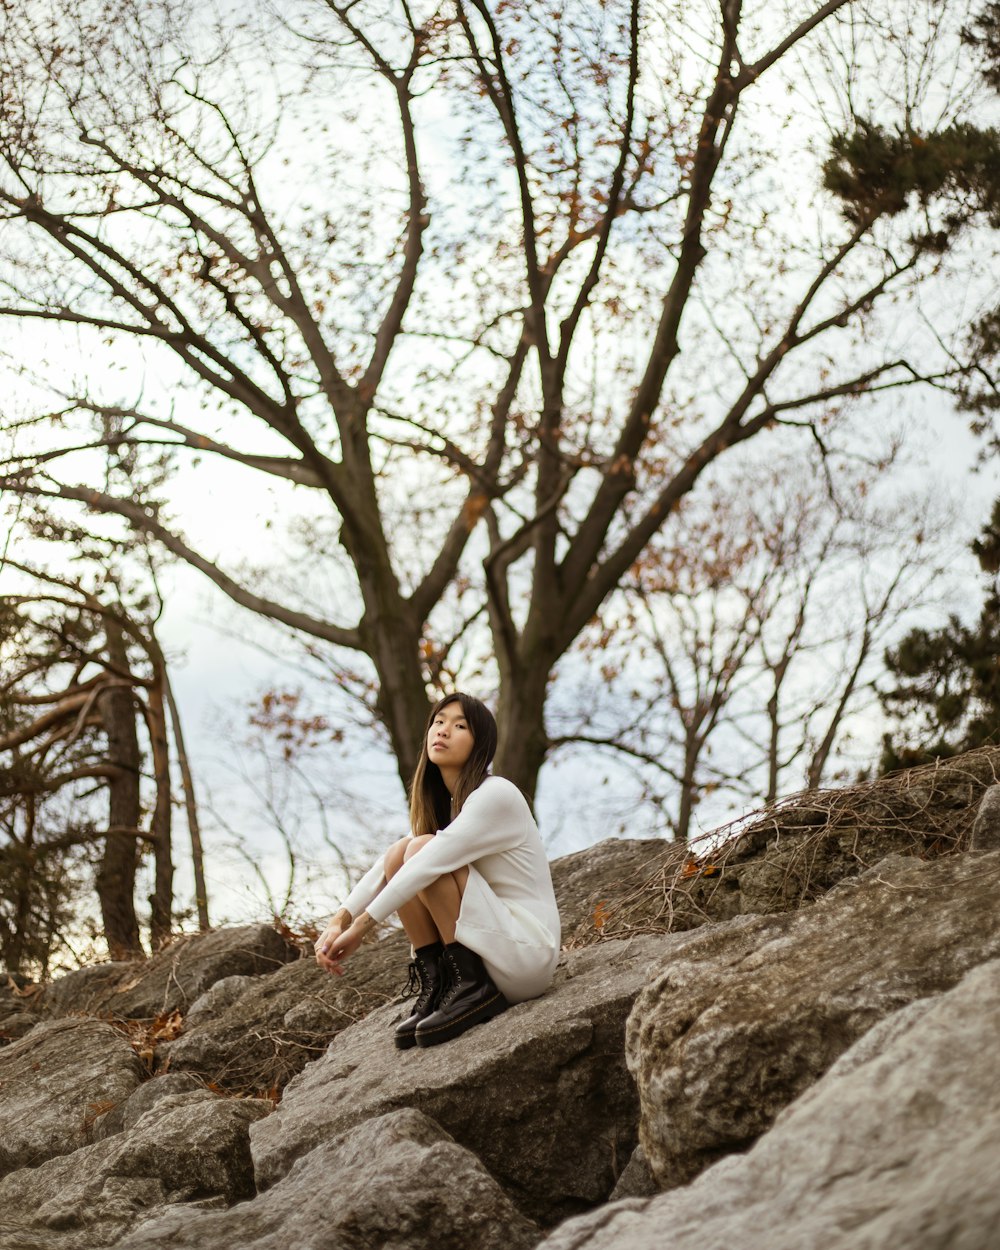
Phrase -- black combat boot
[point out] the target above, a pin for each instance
(470, 998)
(426, 976)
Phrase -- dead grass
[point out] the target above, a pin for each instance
(794, 851)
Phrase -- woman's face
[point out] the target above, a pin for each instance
(449, 739)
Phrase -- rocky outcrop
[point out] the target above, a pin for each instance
(895, 1147)
(801, 848)
(173, 978)
(55, 1082)
(741, 1021)
(191, 1147)
(540, 1095)
(424, 1193)
(986, 828)
(18, 1007)
(823, 1069)
(586, 881)
(255, 1033)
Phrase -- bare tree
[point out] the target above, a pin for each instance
(84, 676)
(736, 659)
(499, 371)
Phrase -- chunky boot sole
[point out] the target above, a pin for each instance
(405, 1041)
(438, 1033)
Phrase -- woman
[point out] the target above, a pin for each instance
(471, 885)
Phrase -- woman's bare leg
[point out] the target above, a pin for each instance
(414, 916)
(440, 901)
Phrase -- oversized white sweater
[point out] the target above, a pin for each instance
(509, 913)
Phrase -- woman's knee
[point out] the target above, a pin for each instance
(413, 845)
(394, 857)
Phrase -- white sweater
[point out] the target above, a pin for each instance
(494, 833)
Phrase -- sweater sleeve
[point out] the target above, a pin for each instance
(492, 820)
(366, 889)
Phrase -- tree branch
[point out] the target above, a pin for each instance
(143, 521)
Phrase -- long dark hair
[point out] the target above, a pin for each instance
(431, 806)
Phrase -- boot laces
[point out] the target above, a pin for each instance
(451, 979)
(419, 982)
(413, 983)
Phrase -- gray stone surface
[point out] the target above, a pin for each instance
(637, 1180)
(397, 1182)
(190, 1147)
(986, 828)
(600, 873)
(19, 1000)
(280, 1022)
(128, 1112)
(896, 1147)
(216, 999)
(541, 1094)
(55, 1082)
(17, 1025)
(742, 1021)
(172, 979)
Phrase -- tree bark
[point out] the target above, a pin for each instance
(523, 742)
(116, 874)
(23, 873)
(190, 807)
(161, 900)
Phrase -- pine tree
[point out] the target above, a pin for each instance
(946, 697)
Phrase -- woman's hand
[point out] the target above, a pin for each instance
(340, 922)
(336, 943)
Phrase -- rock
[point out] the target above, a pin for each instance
(173, 978)
(587, 879)
(17, 1024)
(637, 1180)
(896, 1146)
(731, 1032)
(986, 829)
(540, 1095)
(280, 1022)
(127, 1114)
(191, 1147)
(397, 1182)
(18, 1006)
(53, 1085)
(210, 1005)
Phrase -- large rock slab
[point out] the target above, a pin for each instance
(254, 1033)
(585, 881)
(171, 979)
(55, 1082)
(540, 1095)
(191, 1147)
(398, 1182)
(896, 1146)
(735, 1028)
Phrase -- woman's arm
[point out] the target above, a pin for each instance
(493, 819)
(343, 919)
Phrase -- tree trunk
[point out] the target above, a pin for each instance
(23, 865)
(116, 874)
(190, 807)
(688, 794)
(161, 900)
(523, 742)
(403, 704)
